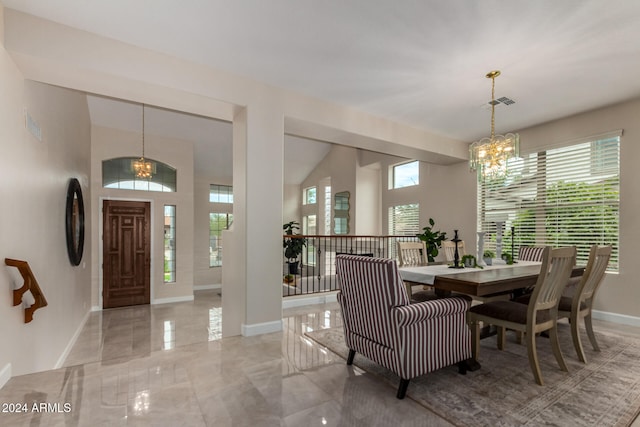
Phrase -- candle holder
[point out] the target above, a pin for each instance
(456, 254)
(513, 257)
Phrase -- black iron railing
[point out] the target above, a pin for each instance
(314, 271)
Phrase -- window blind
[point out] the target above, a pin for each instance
(562, 196)
(404, 220)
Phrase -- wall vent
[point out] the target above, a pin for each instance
(33, 126)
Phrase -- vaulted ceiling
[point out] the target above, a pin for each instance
(422, 63)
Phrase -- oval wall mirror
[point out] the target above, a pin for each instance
(74, 222)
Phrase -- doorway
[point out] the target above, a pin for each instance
(126, 253)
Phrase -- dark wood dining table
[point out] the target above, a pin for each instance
(484, 282)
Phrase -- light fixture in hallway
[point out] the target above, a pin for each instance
(142, 167)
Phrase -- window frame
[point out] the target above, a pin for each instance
(393, 175)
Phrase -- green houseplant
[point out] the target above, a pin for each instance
(488, 256)
(433, 240)
(292, 245)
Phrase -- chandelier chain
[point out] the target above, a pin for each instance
(493, 109)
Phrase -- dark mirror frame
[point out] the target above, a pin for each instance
(74, 222)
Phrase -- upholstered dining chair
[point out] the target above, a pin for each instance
(449, 248)
(580, 305)
(541, 314)
(380, 323)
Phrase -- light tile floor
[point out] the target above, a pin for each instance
(167, 365)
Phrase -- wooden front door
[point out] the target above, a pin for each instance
(126, 253)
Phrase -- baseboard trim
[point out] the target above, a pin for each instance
(299, 301)
(616, 318)
(205, 287)
(186, 298)
(261, 328)
(5, 375)
(72, 341)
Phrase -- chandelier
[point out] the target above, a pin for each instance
(489, 155)
(142, 167)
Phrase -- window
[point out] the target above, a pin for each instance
(567, 196)
(169, 243)
(309, 196)
(217, 223)
(119, 173)
(403, 221)
(309, 227)
(405, 175)
(220, 193)
(327, 209)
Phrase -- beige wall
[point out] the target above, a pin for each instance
(35, 176)
(51, 53)
(109, 143)
(55, 54)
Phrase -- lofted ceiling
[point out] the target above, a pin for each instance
(422, 63)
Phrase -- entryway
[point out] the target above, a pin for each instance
(126, 253)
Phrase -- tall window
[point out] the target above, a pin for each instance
(309, 196)
(217, 223)
(309, 227)
(169, 243)
(405, 175)
(220, 193)
(567, 196)
(403, 221)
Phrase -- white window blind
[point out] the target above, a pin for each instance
(566, 196)
(403, 221)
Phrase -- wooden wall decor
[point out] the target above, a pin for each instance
(30, 284)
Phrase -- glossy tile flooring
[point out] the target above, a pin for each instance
(167, 365)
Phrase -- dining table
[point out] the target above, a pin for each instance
(498, 278)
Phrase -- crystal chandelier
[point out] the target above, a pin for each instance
(142, 167)
(489, 155)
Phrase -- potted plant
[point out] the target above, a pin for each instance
(470, 261)
(292, 245)
(433, 240)
(487, 256)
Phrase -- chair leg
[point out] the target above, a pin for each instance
(530, 338)
(502, 337)
(402, 389)
(519, 336)
(589, 326)
(575, 335)
(462, 367)
(352, 354)
(475, 338)
(555, 346)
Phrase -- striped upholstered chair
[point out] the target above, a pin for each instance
(379, 323)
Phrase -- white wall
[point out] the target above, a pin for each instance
(35, 177)
(109, 143)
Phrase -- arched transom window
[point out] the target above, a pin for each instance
(119, 173)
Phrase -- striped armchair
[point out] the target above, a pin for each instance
(379, 323)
